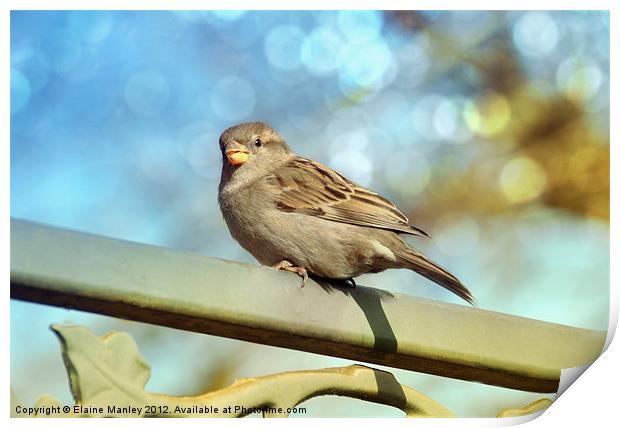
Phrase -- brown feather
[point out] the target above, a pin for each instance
(421, 264)
(308, 187)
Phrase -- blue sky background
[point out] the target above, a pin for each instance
(114, 124)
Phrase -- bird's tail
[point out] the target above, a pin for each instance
(421, 264)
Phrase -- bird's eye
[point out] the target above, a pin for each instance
(258, 142)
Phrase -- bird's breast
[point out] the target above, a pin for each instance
(252, 218)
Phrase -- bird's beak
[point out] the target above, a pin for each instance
(237, 154)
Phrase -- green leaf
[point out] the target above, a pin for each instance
(107, 370)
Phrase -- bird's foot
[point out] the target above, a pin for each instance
(290, 267)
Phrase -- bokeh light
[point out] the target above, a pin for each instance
(90, 27)
(233, 98)
(579, 78)
(364, 64)
(522, 180)
(488, 115)
(321, 51)
(360, 26)
(283, 46)
(536, 34)
(349, 156)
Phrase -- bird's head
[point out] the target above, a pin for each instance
(252, 143)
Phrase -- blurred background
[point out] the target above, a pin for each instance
(489, 129)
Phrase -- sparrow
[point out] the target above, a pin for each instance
(298, 215)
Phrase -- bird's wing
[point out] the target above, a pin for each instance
(308, 187)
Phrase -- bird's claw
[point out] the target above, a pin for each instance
(289, 267)
(350, 282)
(304, 275)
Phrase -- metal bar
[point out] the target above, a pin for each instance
(191, 292)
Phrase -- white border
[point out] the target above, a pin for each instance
(588, 402)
